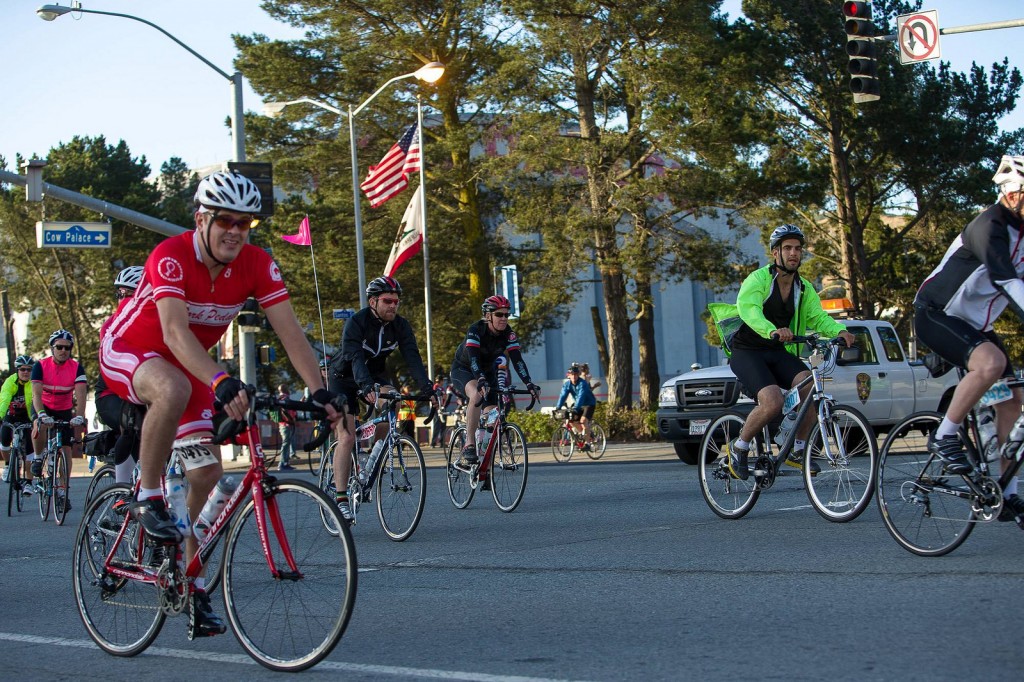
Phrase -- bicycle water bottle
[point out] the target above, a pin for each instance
(987, 433)
(483, 437)
(174, 493)
(371, 461)
(1015, 438)
(788, 422)
(219, 496)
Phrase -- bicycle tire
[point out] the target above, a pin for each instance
(842, 490)
(14, 479)
(599, 444)
(460, 485)
(44, 492)
(922, 523)
(102, 479)
(728, 497)
(273, 618)
(122, 616)
(510, 467)
(61, 487)
(325, 481)
(561, 444)
(401, 489)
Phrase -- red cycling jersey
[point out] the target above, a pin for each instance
(175, 269)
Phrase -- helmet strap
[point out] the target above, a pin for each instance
(204, 240)
(783, 268)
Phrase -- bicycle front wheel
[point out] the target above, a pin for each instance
(460, 485)
(290, 621)
(729, 497)
(61, 489)
(122, 616)
(927, 511)
(561, 444)
(101, 480)
(401, 489)
(325, 481)
(847, 454)
(599, 444)
(509, 467)
(43, 493)
(14, 481)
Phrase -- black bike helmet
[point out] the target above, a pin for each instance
(383, 285)
(785, 232)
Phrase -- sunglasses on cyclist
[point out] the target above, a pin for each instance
(389, 301)
(501, 314)
(24, 369)
(226, 222)
(62, 347)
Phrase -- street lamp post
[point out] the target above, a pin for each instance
(246, 339)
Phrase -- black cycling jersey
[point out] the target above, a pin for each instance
(481, 348)
(366, 344)
(980, 273)
(777, 311)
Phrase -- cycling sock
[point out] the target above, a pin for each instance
(341, 497)
(946, 429)
(123, 471)
(147, 493)
(1011, 488)
(742, 444)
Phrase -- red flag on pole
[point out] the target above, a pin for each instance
(391, 175)
(410, 237)
(302, 238)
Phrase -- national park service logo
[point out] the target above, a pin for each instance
(863, 386)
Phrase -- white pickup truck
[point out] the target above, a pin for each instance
(884, 386)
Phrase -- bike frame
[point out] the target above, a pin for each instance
(499, 424)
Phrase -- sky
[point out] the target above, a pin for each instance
(100, 75)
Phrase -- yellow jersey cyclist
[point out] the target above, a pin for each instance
(15, 405)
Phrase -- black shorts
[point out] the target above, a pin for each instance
(462, 375)
(578, 412)
(757, 369)
(954, 339)
(348, 387)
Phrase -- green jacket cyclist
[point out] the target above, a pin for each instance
(776, 304)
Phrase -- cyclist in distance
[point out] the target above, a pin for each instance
(776, 304)
(369, 337)
(156, 353)
(58, 392)
(584, 402)
(110, 406)
(956, 306)
(474, 371)
(15, 405)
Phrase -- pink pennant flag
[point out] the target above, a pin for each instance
(302, 238)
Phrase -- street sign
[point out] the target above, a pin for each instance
(73, 235)
(508, 286)
(918, 36)
(343, 313)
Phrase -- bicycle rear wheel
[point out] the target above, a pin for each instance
(729, 497)
(927, 511)
(325, 481)
(14, 481)
(460, 485)
(509, 468)
(101, 480)
(843, 488)
(122, 616)
(599, 444)
(561, 444)
(292, 621)
(61, 489)
(401, 489)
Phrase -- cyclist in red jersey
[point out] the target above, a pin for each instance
(156, 351)
(58, 392)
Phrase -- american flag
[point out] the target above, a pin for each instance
(391, 175)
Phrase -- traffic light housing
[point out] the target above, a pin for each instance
(262, 175)
(860, 47)
(249, 315)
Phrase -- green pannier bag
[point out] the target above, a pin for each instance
(727, 321)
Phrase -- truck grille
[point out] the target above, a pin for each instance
(698, 394)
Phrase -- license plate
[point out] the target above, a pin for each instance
(999, 393)
(699, 426)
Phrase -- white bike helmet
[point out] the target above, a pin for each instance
(232, 191)
(129, 277)
(1010, 176)
(61, 334)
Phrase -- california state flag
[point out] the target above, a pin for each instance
(410, 236)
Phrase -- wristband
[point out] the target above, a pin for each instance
(217, 378)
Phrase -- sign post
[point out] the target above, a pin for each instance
(73, 235)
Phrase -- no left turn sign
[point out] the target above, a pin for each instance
(918, 36)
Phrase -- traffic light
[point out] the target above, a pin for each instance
(262, 175)
(249, 315)
(860, 46)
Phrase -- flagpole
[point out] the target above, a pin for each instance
(316, 285)
(426, 248)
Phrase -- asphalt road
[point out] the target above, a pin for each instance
(609, 570)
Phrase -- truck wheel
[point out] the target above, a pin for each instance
(687, 452)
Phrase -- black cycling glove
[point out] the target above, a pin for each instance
(227, 389)
(481, 385)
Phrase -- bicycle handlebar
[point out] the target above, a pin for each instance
(511, 391)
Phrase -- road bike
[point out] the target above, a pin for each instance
(396, 476)
(16, 463)
(842, 443)
(55, 482)
(289, 586)
(504, 462)
(927, 510)
(566, 440)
